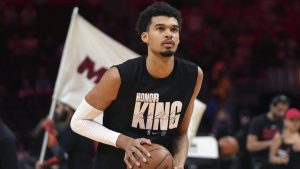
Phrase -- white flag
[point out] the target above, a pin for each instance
(88, 52)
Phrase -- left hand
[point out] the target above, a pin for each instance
(296, 146)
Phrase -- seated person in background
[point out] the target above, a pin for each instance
(70, 150)
(285, 147)
(223, 124)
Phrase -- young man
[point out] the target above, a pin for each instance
(145, 100)
(262, 130)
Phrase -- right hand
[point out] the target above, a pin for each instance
(134, 150)
(39, 165)
(48, 125)
(285, 160)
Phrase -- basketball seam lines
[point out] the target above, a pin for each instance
(157, 149)
(162, 160)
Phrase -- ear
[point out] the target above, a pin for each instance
(144, 37)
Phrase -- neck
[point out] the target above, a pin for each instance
(289, 132)
(159, 66)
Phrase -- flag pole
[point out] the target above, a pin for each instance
(54, 96)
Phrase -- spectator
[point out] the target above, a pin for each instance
(262, 130)
(222, 125)
(8, 156)
(42, 82)
(285, 147)
(71, 151)
(243, 157)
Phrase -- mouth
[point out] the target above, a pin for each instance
(168, 43)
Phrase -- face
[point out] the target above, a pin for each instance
(162, 36)
(279, 109)
(292, 124)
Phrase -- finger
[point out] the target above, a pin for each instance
(145, 141)
(137, 151)
(134, 160)
(127, 162)
(144, 150)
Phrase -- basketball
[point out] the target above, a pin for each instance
(160, 158)
(228, 146)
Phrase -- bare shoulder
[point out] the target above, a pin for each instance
(106, 90)
(112, 75)
(111, 79)
(199, 82)
(200, 74)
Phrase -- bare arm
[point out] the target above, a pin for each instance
(181, 143)
(106, 90)
(273, 158)
(95, 102)
(254, 145)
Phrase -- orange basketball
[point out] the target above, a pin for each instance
(228, 146)
(160, 158)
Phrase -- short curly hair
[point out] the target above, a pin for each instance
(156, 9)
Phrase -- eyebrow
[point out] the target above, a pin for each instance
(164, 25)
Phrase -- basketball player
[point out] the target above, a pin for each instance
(144, 100)
(262, 130)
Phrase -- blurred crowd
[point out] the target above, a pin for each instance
(248, 50)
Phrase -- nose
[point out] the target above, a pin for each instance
(168, 34)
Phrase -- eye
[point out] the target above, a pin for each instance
(160, 28)
(174, 30)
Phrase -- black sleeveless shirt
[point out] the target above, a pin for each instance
(147, 107)
(294, 157)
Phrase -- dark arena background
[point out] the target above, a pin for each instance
(248, 49)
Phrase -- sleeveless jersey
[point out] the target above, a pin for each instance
(147, 107)
(294, 157)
